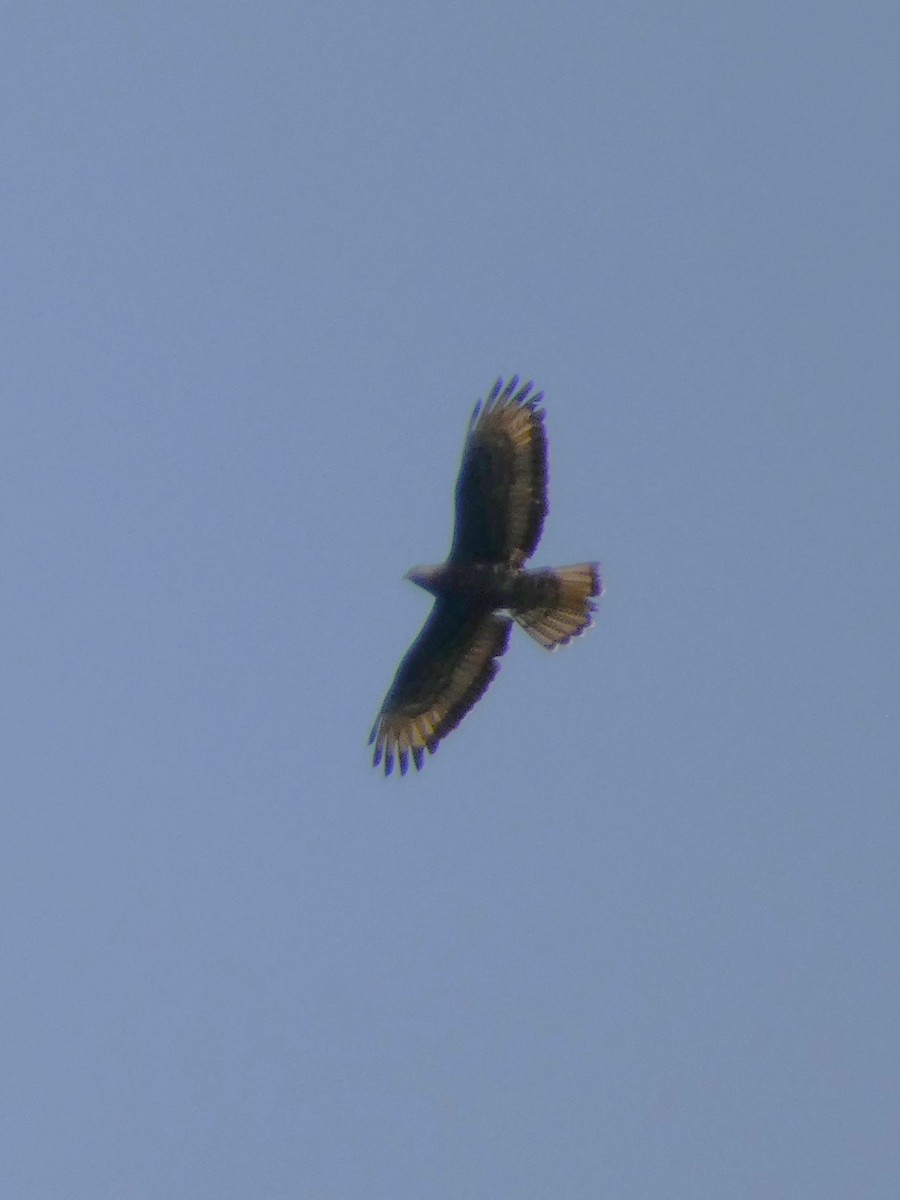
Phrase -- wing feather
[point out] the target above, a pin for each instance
(501, 492)
(446, 670)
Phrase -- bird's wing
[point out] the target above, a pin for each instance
(445, 671)
(501, 493)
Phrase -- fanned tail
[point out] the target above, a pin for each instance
(557, 605)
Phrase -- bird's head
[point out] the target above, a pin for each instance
(425, 577)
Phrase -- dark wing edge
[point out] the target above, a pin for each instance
(501, 492)
(444, 673)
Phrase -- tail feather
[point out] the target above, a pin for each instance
(565, 607)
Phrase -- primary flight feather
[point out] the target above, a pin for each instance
(501, 502)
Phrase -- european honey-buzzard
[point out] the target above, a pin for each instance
(501, 502)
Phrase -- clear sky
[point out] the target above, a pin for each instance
(634, 932)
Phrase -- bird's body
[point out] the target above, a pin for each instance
(490, 587)
(500, 508)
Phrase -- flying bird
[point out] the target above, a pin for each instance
(501, 502)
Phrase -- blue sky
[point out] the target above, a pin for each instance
(634, 929)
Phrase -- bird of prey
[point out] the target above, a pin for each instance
(501, 502)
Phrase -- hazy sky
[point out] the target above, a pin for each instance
(634, 932)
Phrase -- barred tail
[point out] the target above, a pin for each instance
(556, 605)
